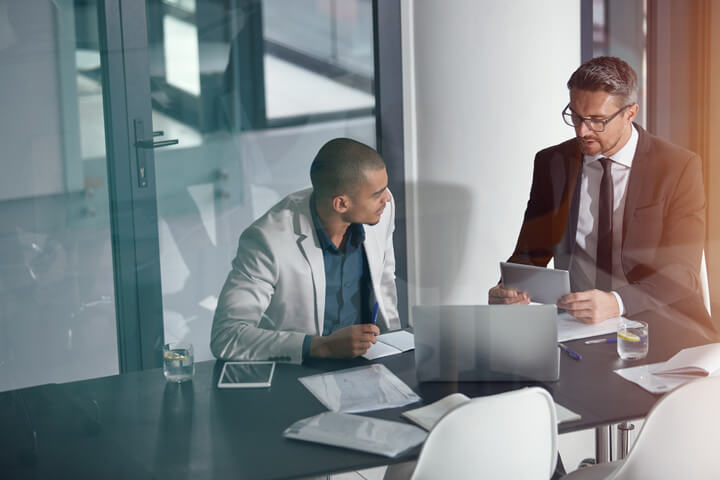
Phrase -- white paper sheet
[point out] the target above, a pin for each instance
(379, 350)
(391, 344)
(571, 329)
(366, 434)
(564, 414)
(400, 339)
(360, 389)
(644, 376)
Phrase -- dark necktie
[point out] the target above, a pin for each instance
(603, 279)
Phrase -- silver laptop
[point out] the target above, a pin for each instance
(458, 343)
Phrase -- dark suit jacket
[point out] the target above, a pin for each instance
(663, 229)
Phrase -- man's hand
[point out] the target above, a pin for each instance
(590, 306)
(500, 295)
(347, 342)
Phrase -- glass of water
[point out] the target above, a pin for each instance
(632, 339)
(178, 365)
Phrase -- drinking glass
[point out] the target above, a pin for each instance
(632, 339)
(178, 365)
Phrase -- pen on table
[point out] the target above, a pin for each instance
(601, 340)
(573, 354)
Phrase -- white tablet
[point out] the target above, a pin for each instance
(246, 374)
(544, 285)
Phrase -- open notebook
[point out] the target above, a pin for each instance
(429, 415)
(702, 361)
(391, 343)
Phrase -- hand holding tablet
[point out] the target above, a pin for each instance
(543, 285)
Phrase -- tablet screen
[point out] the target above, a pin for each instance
(246, 374)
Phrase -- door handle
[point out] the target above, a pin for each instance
(141, 144)
(151, 144)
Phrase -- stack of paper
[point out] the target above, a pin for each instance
(569, 328)
(360, 389)
(391, 344)
(429, 415)
(366, 434)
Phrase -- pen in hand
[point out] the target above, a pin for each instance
(572, 353)
(375, 313)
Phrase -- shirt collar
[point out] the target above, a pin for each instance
(356, 231)
(624, 156)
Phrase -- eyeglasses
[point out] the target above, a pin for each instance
(594, 124)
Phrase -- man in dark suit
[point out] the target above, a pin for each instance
(621, 209)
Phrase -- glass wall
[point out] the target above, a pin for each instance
(252, 90)
(620, 30)
(57, 301)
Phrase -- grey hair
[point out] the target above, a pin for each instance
(609, 74)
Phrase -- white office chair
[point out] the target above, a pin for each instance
(510, 435)
(679, 439)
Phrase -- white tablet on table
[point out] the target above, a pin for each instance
(246, 374)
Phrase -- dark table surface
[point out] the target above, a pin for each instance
(136, 425)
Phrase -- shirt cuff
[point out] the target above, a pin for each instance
(621, 305)
(306, 346)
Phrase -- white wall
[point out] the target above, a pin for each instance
(484, 88)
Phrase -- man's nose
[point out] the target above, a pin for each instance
(583, 130)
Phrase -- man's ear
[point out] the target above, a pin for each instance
(633, 112)
(341, 203)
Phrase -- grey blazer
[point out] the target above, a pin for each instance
(275, 293)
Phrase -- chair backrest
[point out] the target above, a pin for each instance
(680, 437)
(510, 435)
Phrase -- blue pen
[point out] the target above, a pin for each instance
(374, 313)
(601, 340)
(573, 354)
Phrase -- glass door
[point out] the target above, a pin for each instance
(251, 89)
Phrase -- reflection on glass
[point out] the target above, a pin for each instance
(57, 313)
(620, 30)
(271, 82)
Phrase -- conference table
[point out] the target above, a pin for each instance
(137, 425)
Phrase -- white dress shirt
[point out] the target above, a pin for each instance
(582, 268)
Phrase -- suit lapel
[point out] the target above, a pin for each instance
(638, 171)
(308, 245)
(569, 205)
(373, 258)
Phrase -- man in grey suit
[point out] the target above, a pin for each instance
(622, 210)
(315, 275)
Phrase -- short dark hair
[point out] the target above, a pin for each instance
(340, 165)
(609, 74)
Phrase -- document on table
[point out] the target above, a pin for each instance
(360, 389)
(569, 328)
(646, 376)
(382, 437)
(429, 415)
(391, 343)
(685, 366)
